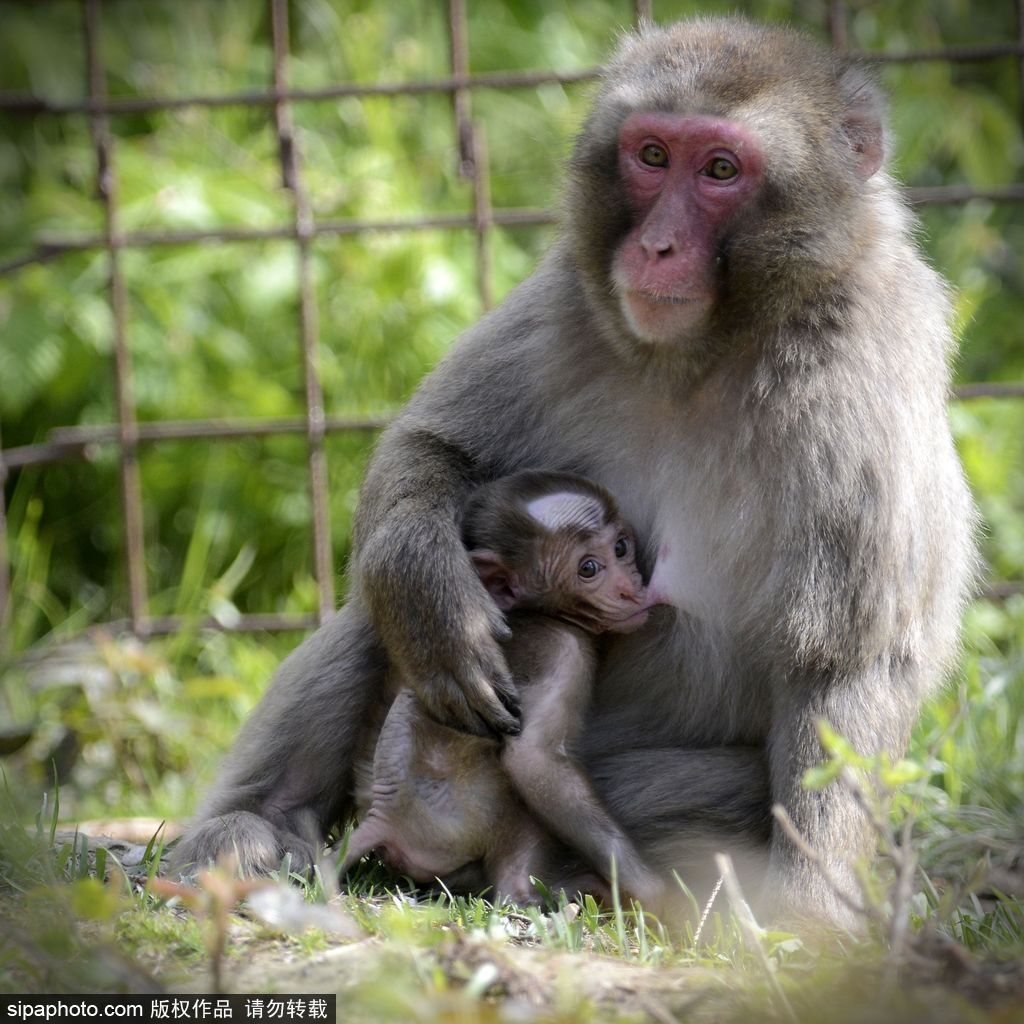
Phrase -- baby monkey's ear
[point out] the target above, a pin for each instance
(502, 582)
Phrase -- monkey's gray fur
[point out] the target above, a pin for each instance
(794, 460)
(436, 802)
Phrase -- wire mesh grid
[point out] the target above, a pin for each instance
(74, 442)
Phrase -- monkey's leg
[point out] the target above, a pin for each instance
(555, 788)
(684, 806)
(364, 839)
(830, 819)
(254, 844)
(289, 774)
(521, 849)
(553, 784)
(528, 850)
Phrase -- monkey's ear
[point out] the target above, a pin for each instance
(502, 583)
(862, 122)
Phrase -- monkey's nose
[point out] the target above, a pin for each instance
(656, 248)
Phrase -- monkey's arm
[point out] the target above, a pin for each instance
(476, 417)
(874, 564)
(550, 781)
(436, 620)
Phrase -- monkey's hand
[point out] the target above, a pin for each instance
(462, 678)
(441, 629)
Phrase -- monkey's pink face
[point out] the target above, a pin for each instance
(686, 179)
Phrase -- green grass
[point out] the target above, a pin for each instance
(151, 721)
(432, 956)
(137, 729)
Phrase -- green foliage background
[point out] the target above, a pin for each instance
(214, 328)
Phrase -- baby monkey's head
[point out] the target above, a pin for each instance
(556, 543)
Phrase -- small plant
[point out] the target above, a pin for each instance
(217, 892)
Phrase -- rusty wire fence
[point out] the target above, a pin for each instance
(129, 435)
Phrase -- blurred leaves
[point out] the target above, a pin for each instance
(214, 328)
(142, 729)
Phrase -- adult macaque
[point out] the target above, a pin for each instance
(737, 336)
(553, 552)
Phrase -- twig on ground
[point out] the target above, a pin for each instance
(808, 851)
(751, 930)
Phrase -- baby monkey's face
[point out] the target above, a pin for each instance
(593, 579)
(576, 562)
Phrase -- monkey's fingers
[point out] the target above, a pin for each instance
(469, 686)
(486, 711)
(509, 697)
(491, 692)
(446, 703)
(486, 703)
(498, 706)
(500, 628)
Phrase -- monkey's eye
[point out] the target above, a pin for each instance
(654, 155)
(588, 569)
(720, 169)
(622, 547)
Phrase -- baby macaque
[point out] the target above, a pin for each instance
(555, 554)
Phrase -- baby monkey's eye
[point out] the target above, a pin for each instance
(622, 547)
(588, 569)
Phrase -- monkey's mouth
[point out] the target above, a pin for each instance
(668, 300)
(631, 622)
(656, 316)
